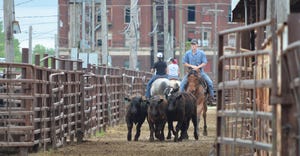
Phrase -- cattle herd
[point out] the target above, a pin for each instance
(171, 106)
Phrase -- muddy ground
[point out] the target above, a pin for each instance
(114, 143)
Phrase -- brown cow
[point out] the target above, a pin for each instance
(157, 118)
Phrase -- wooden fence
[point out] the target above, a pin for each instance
(42, 106)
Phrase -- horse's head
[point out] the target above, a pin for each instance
(193, 81)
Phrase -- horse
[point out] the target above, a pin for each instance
(197, 86)
(174, 83)
(158, 86)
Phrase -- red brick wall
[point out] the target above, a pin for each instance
(64, 17)
(118, 22)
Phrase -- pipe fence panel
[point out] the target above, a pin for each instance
(16, 106)
(244, 116)
(42, 107)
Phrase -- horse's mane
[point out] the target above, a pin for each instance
(197, 79)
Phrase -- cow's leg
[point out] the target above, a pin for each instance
(179, 127)
(138, 131)
(183, 133)
(151, 127)
(129, 128)
(196, 129)
(162, 136)
(204, 120)
(159, 132)
(170, 128)
(184, 129)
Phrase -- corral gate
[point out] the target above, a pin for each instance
(258, 109)
(244, 116)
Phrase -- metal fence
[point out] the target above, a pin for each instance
(244, 116)
(42, 106)
(258, 111)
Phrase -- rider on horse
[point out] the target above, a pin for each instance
(173, 69)
(195, 59)
(161, 72)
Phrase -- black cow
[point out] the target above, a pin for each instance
(157, 118)
(182, 108)
(136, 113)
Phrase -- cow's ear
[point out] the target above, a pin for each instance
(127, 99)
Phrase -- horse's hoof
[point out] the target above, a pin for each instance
(204, 133)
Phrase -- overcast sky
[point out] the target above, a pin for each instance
(41, 15)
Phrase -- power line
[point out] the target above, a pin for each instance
(21, 3)
(37, 16)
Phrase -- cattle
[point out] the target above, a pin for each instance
(182, 108)
(157, 118)
(136, 114)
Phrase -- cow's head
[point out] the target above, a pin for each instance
(174, 101)
(156, 106)
(135, 103)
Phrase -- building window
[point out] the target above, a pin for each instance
(127, 15)
(127, 40)
(191, 13)
(99, 15)
(205, 39)
(229, 14)
(231, 40)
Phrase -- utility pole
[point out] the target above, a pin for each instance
(215, 12)
(104, 33)
(133, 34)
(171, 39)
(83, 28)
(181, 40)
(166, 30)
(57, 36)
(30, 46)
(154, 24)
(93, 27)
(8, 30)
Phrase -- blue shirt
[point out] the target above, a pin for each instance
(195, 59)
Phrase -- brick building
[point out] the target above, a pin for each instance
(200, 20)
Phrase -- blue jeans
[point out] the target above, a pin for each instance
(154, 77)
(205, 77)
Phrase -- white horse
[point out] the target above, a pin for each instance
(174, 83)
(158, 86)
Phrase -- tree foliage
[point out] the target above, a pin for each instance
(41, 50)
(17, 51)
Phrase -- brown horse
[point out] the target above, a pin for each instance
(197, 85)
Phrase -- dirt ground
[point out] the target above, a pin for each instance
(114, 143)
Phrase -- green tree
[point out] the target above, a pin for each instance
(41, 50)
(17, 51)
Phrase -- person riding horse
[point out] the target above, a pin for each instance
(195, 59)
(160, 68)
(173, 69)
